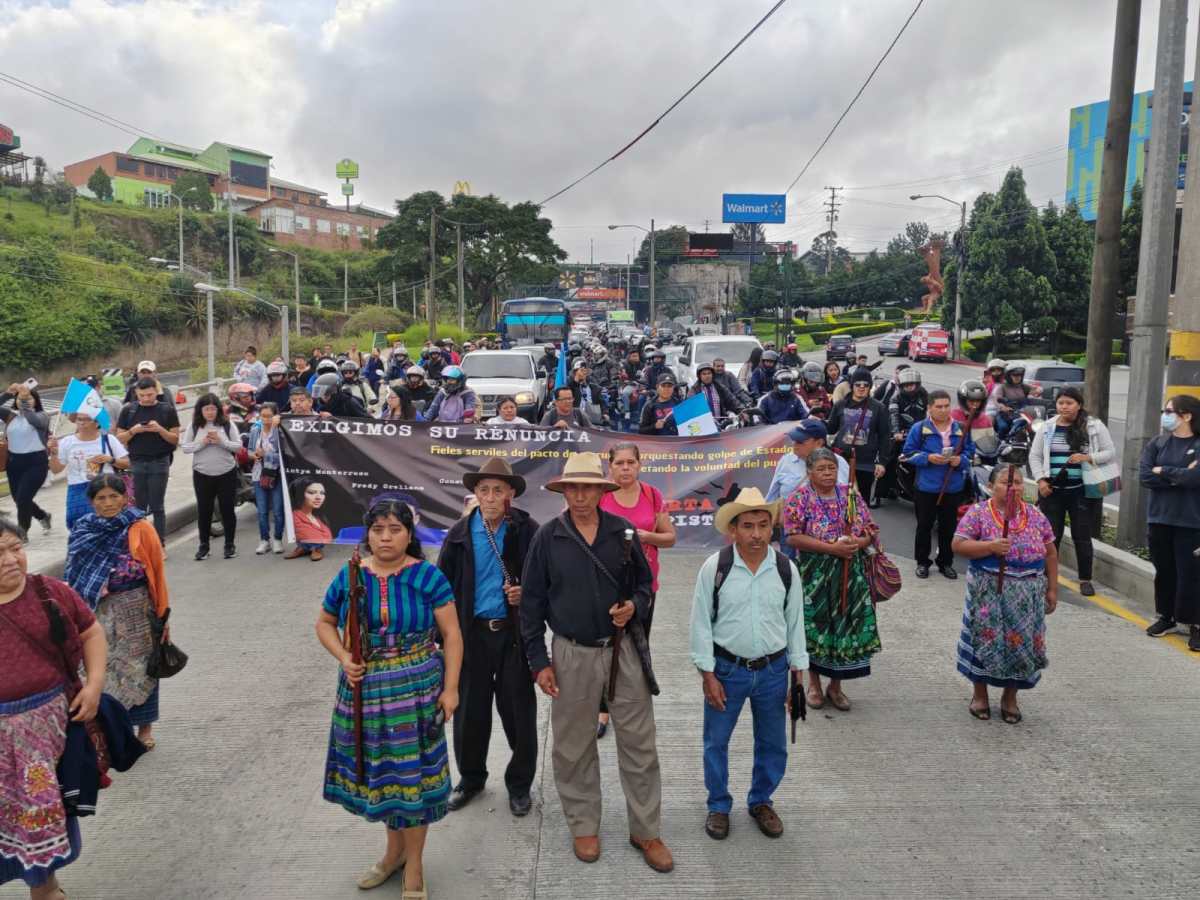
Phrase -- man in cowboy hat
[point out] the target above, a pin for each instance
(482, 557)
(587, 577)
(747, 632)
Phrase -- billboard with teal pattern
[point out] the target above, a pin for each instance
(1085, 148)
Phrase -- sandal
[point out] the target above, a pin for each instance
(1010, 716)
(420, 893)
(982, 713)
(814, 697)
(149, 743)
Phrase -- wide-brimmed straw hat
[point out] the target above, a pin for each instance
(500, 470)
(581, 468)
(747, 500)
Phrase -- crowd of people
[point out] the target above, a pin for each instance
(781, 618)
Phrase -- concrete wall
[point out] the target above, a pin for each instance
(709, 280)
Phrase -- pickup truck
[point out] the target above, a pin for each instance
(493, 374)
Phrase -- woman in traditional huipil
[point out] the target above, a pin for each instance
(828, 523)
(1003, 639)
(409, 689)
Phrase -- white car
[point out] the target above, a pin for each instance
(735, 349)
(493, 374)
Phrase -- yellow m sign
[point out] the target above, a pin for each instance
(461, 187)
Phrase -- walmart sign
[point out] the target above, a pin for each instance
(766, 209)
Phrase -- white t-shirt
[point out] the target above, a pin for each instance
(75, 453)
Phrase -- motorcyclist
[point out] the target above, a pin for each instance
(971, 411)
(885, 391)
(324, 366)
(433, 362)
(242, 407)
(811, 389)
(398, 363)
(277, 389)
(720, 401)
(994, 373)
(330, 399)
(1008, 397)
(587, 393)
(632, 367)
(790, 358)
(605, 369)
(657, 415)
(415, 393)
(723, 376)
(762, 379)
(783, 404)
(355, 385)
(455, 402)
(909, 404)
(657, 367)
(548, 361)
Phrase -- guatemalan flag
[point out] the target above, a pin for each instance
(82, 398)
(560, 373)
(693, 417)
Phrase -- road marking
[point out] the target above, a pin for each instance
(1109, 605)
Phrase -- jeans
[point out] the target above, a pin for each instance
(150, 490)
(929, 515)
(220, 489)
(1056, 507)
(1176, 572)
(269, 502)
(26, 474)
(767, 690)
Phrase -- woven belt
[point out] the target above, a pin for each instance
(752, 664)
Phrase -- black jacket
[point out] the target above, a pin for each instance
(731, 383)
(457, 558)
(729, 403)
(874, 439)
(342, 404)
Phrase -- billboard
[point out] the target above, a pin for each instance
(347, 168)
(1085, 148)
(763, 209)
(597, 293)
(714, 241)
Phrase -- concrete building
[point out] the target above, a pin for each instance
(300, 215)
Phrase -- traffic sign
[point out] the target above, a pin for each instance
(764, 209)
(348, 189)
(347, 168)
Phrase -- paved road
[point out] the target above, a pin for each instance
(906, 796)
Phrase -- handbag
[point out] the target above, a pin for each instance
(267, 478)
(166, 659)
(1100, 481)
(883, 575)
(130, 500)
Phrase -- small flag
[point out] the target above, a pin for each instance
(693, 417)
(82, 398)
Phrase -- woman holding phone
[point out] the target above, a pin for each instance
(27, 434)
(213, 442)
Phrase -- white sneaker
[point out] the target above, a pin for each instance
(276, 545)
(263, 547)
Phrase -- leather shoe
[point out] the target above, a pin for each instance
(461, 796)
(768, 822)
(587, 849)
(520, 805)
(295, 553)
(922, 571)
(948, 571)
(655, 852)
(716, 826)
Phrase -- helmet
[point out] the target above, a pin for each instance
(769, 356)
(580, 364)
(600, 354)
(971, 389)
(657, 354)
(791, 347)
(648, 349)
(325, 384)
(414, 372)
(1014, 368)
(402, 353)
(702, 366)
(240, 387)
(325, 364)
(453, 379)
(548, 347)
(812, 372)
(909, 376)
(997, 364)
(277, 368)
(347, 366)
(785, 376)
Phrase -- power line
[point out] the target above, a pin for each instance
(670, 108)
(102, 117)
(854, 100)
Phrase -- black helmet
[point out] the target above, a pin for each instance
(971, 390)
(769, 356)
(548, 347)
(325, 384)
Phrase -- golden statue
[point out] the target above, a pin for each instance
(932, 254)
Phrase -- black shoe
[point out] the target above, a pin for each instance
(230, 551)
(520, 806)
(601, 730)
(46, 522)
(202, 553)
(1194, 640)
(948, 571)
(461, 796)
(1161, 627)
(922, 571)
(1086, 588)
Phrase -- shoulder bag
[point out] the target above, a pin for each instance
(130, 500)
(883, 575)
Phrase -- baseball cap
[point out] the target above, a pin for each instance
(810, 429)
(861, 376)
(147, 365)
(666, 378)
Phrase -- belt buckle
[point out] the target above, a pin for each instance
(606, 642)
(755, 665)
(496, 624)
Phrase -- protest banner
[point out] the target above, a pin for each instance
(342, 464)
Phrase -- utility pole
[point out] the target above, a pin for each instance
(1148, 345)
(414, 292)
(462, 308)
(958, 282)
(237, 261)
(346, 286)
(591, 251)
(296, 286)
(394, 294)
(653, 268)
(229, 209)
(1106, 257)
(832, 216)
(378, 294)
(430, 311)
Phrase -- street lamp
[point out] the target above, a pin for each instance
(283, 317)
(650, 232)
(962, 264)
(209, 290)
(296, 279)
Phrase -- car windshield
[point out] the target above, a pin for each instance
(840, 339)
(1059, 373)
(733, 352)
(516, 365)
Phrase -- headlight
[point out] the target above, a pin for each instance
(524, 398)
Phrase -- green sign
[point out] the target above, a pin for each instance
(114, 385)
(380, 339)
(348, 189)
(347, 168)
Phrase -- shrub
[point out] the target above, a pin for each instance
(377, 318)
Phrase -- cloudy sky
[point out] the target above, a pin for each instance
(521, 97)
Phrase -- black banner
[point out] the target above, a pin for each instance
(355, 460)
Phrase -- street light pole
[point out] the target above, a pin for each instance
(296, 284)
(209, 290)
(652, 273)
(962, 265)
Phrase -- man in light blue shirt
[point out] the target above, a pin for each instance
(744, 640)
(791, 471)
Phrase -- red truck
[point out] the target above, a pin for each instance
(929, 342)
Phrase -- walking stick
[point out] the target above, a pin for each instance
(849, 523)
(962, 439)
(353, 638)
(1007, 519)
(612, 672)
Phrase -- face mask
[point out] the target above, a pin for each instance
(784, 388)
(1169, 421)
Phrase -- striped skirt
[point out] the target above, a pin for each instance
(36, 834)
(1003, 637)
(407, 772)
(125, 618)
(839, 646)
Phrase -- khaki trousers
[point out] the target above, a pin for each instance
(582, 674)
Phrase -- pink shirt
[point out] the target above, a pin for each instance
(642, 515)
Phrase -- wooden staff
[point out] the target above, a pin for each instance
(627, 578)
(353, 638)
(1007, 519)
(849, 531)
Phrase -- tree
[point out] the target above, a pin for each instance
(1131, 244)
(1071, 241)
(840, 257)
(774, 283)
(100, 184)
(745, 232)
(37, 190)
(193, 191)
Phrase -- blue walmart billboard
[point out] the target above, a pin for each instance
(764, 209)
(1085, 149)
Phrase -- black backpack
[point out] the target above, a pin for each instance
(783, 565)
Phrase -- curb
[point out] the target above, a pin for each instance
(177, 520)
(1125, 573)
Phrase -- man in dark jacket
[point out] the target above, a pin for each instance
(783, 404)
(720, 401)
(278, 389)
(482, 557)
(860, 424)
(731, 383)
(657, 414)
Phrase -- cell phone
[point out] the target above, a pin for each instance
(31, 384)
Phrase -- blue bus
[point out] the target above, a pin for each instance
(533, 320)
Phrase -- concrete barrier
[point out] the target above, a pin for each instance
(1125, 573)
